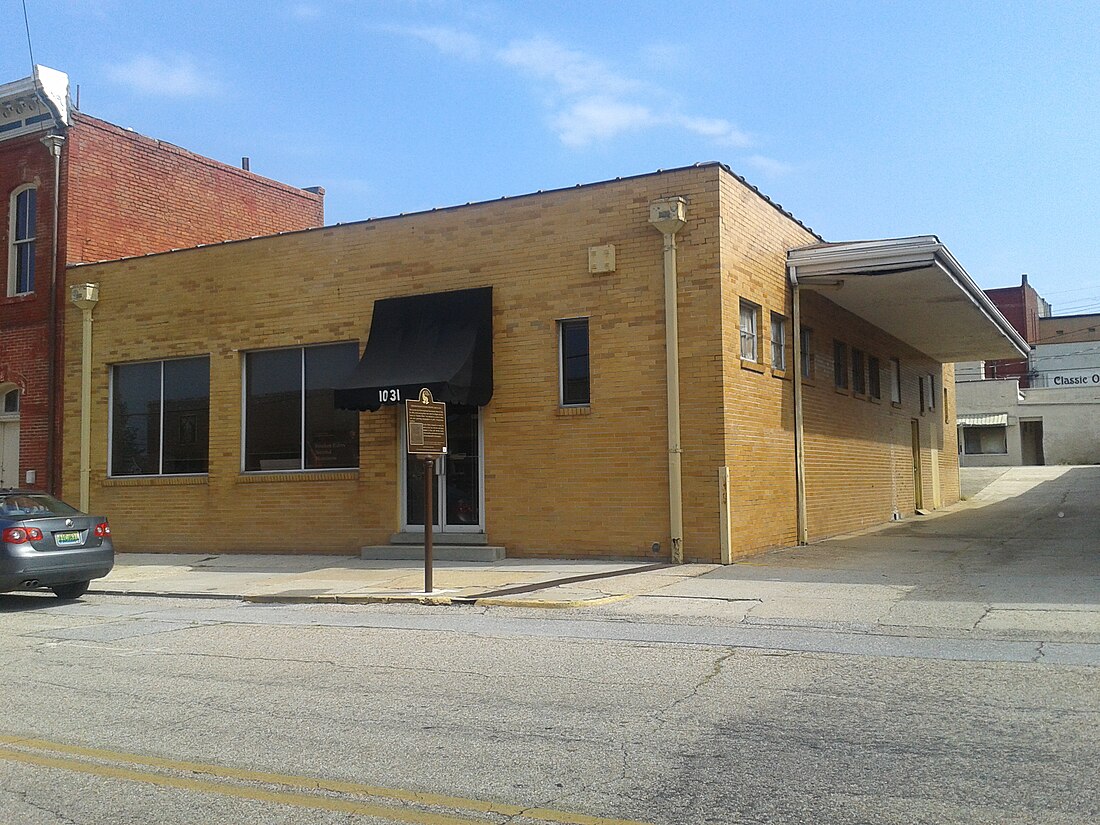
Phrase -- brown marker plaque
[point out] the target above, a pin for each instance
(426, 426)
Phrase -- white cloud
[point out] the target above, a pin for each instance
(769, 166)
(597, 119)
(174, 76)
(572, 72)
(720, 131)
(448, 41)
(304, 11)
(588, 100)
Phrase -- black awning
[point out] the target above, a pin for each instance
(442, 341)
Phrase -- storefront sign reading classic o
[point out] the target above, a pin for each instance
(426, 426)
(1076, 380)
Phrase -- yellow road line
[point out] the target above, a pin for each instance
(298, 800)
(311, 783)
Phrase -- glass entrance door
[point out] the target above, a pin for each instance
(458, 500)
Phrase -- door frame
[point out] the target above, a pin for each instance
(441, 488)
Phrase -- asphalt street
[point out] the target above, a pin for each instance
(939, 671)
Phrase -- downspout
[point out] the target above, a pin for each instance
(799, 445)
(53, 143)
(85, 296)
(668, 216)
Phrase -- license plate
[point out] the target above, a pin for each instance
(66, 539)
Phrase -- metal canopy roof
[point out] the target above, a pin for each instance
(913, 289)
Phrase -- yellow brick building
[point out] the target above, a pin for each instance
(550, 466)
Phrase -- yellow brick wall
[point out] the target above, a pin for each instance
(588, 484)
(577, 483)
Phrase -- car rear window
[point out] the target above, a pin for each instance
(33, 505)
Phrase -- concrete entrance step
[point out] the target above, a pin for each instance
(440, 552)
(450, 539)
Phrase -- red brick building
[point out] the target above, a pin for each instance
(1023, 307)
(75, 188)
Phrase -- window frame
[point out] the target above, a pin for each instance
(15, 242)
(563, 325)
(302, 403)
(778, 347)
(111, 381)
(752, 335)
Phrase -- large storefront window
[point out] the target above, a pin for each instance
(290, 421)
(160, 418)
(985, 440)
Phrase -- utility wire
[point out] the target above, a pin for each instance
(27, 24)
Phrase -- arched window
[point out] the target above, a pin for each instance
(9, 403)
(24, 203)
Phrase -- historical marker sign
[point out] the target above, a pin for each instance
(426, 426)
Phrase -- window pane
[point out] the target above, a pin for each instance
(186, 416)
(779, 342)
(11, 401)
(840, 365)
(25, 214)
(332, 435)
(859, 372)
(575, 383)
(749, 314)
(24, 267)
(806, 355)
(895, 386)
(873, 378)
(135, 420)
(273, 410)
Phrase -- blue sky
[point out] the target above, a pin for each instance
(975, 121)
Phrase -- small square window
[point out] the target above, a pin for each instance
(840, 365)
(576, 387)
(779, 342)
(859, 372)
(750, 337)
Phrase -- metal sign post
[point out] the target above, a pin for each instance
(426, 428)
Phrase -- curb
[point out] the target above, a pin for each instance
(352, 598)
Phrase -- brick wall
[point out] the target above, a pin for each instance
(573, 482)
(131, 194)
(122, 194)
(24, 338)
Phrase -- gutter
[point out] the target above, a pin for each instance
(668, 216)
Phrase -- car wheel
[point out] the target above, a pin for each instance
(70, 591)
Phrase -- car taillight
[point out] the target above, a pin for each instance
(21, 535)
(102, 530)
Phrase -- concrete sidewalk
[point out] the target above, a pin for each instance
(1018, 559)
(351, 580)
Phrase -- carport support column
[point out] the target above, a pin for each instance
(85, 297)
(799, 446)
(668, 216)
